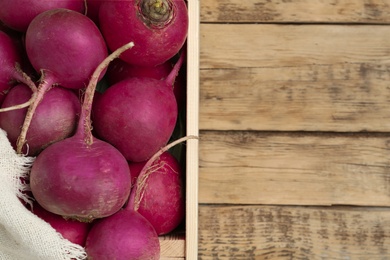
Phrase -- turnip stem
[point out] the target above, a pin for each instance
(85, 117)
(21, 76)
(47, 82)
(138, 190)
(170, 80)
(23, 105)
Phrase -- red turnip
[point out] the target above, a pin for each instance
(159, 195)
(135, 169)
(17, 14)
(124, 235)
(137, 115)
(73, 230)
(82, 177)
(55, 117)
(92, 10)
(127, 234)
(2, 97)
(10, 61)
(158, 28)
(66, 46)
(119, 70)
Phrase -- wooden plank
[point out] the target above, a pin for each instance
(270, 45)
(261, 232)
(334, 97)
(297, 11)
(314, 77)
(294, 168)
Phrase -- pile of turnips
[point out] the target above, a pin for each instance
(94, 89)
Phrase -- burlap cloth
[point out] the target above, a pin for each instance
(24, 236)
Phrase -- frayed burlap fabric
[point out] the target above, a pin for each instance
(24, 236)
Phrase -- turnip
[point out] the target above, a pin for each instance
(73, 230)
(66, 47)
(92, 9)
(159, 195)
(123, 236)
(82, 177)
(10, 64)
(17, 14)
(55, 117)
(157, 27)
(127, 234)
(138, 115)
(135, 169)
(119, 70)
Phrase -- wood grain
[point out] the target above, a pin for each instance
(311, 78)
(192, 128)
(335, 97)
(262, 232)
(270, 45)
(294, 116)
(297, 11)
(172, 246)
(294, 168)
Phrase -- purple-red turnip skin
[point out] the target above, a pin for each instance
(119, 70)
(67, 44)
(85, 182)
(121, 22)
(2, 97)
(17, 14)
(123, 236)
(72, 230)
(93, 7)
(135, 169)
(163, 202)
(55, 118)
(9, 55)
(137, 116)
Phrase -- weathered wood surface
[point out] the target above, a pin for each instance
(272, 45)
(294, 111)
(286, 77)
(262, 232)
(294, 168)
(297, 11)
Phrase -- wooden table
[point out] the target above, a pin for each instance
(294, 149)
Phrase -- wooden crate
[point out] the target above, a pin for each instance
(294, 149)
(185, 245)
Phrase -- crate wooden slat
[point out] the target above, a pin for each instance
(288, 232)
(172, 246)
(192, 128)
(297, 11)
